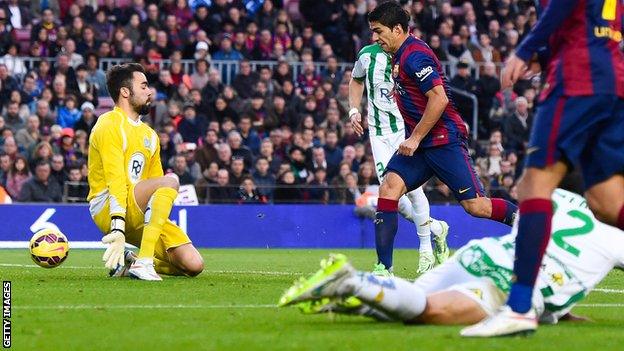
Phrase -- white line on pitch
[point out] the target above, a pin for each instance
(206, 271)
(94, 307)
(600, 305)
(609, 291)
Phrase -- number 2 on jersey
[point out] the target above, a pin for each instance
(559, 236)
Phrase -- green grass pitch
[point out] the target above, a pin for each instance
(230, 306)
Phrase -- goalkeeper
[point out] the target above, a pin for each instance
(130, 199)
(474, 282)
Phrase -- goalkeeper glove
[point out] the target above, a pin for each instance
(116, 239)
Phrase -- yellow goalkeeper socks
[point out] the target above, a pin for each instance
(156, 215)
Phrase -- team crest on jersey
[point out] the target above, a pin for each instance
(136, 166)
(146, 142)
(395, 71)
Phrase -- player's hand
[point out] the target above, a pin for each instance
(356, 122)
(114, 254)
(408, 147)
(513, 70)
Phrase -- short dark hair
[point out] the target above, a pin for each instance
(390, 14)
(120, 76)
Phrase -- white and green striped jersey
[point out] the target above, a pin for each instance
(581, 252)
(374, 66)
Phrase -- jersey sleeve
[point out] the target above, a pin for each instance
(423, 70)
(553, 15)
(107, 138)
(359, 69)
(155, 168)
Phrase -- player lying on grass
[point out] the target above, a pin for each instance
(475, 281)
(130, 199)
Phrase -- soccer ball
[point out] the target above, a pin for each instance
(49, 248)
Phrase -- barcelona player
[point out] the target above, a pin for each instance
(130, 199)
(580, 122)
(436, 135)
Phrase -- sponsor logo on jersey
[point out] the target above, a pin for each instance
(424, 73)
(136, 166)
(608, 32)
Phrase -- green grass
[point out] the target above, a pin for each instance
(227, 308)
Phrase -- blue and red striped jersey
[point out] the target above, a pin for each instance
(416, 70)
(583, 37)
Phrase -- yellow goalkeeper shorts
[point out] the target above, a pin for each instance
(171, 237)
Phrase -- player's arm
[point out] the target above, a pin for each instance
(553, 15)
(422, 68)
(356, 90)
(436, 103)
(108, 139)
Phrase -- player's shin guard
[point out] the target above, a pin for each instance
(620, 222)
(156, 215)
(394, 296)
(386, 225)
(533, 236)
(503, 211)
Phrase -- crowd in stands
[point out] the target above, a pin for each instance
(267, 137)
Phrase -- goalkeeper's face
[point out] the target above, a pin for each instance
(140, 94)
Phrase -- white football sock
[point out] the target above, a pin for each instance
(436, 227)
(420, 209)
(392, 295)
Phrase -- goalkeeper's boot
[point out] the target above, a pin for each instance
(381, 271)
(441, 250)
(346, 305)
(425, 262)
(504, 323)
(326, 282)
(122, 271)
(143, 269)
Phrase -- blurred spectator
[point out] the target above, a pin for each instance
(237, 171)
(191, 127)
(264, 178)
(15, 65)
(5, 167)
(245, 80)
(463, 80)
(222, 192)
(87, 91)
(28, 136)
(287, 191)
(226, 51)
(87, 118)
(41, 187)
(249, 134)
(68, 114)
(235, 141)
(58, 172)
(517, 126)
(248, 194)
(10, 148)
(181, 170)
(488, 86)
(199, 78)
(76, 187)
(18, 175)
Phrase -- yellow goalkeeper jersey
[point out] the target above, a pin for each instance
(122, 152)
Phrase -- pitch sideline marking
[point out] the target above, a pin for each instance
(206, 271)
(103, 307)
(94, 307)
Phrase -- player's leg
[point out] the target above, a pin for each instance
(603, 169)
(154, 197)
(454, 166)
(174, 253)
(414, 205)
(451, 308)
(606, 200)
(402, 173)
